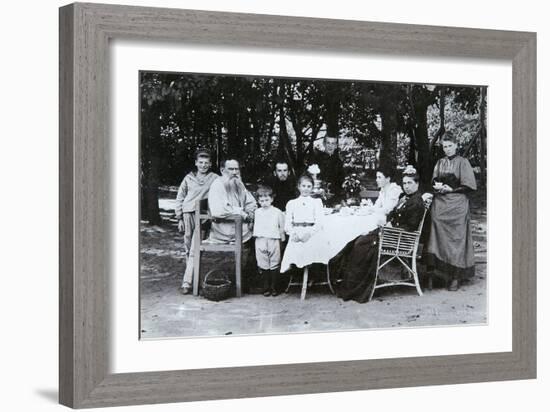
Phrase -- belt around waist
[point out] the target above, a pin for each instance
(302, 224)
(222, 220)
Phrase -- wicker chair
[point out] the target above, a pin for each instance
(402, 246)
(202, 216)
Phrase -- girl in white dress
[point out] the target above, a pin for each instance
(303, 219)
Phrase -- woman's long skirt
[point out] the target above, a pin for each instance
(355, 265)
(450, 247)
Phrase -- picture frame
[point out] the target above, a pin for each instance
(85, 32)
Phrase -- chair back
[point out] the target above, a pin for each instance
(202, 243)
(201, 208)
(397, 241)
(202, 218)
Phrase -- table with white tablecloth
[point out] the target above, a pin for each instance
(336, 231)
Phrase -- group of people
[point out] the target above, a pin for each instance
(283, 216)
(269, 220)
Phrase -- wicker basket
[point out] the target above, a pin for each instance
(216, 286)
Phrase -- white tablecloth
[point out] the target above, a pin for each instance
(337, 230)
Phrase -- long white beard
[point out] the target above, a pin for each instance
(235, 189)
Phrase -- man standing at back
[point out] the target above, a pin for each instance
(332, 167)
(282, 184)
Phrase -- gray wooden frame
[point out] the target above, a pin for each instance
(85, 30)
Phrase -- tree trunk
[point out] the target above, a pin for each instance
(219, 144)
(285, 147)
(333, 110)
(299, 139)
(425, 161)
(419, 105)
(441, 130)
(314, 132)
(269, 141)
(150, 168)
(471, 143)
(150, 206)
(233, 121)
(412, 157)
(233, 148)
(388, 144)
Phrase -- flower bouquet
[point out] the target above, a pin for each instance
(352, 186)
(318, 190)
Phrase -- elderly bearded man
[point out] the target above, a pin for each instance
(227, 198)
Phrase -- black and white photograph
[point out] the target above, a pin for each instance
(275, 205)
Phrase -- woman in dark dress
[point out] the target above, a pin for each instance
(450, 247)
(356, 263)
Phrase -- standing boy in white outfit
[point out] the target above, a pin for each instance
(269, 224)
(195, 186)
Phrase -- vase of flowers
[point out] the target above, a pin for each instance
(352, 186)
(314, 171)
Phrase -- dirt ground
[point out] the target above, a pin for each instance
(166, 313)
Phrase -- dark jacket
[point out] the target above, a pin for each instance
(408, 212)
(282, 191)
(332, 170)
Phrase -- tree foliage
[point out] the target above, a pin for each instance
(260, 119)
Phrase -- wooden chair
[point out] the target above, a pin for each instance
(402, 246)
(202, 216)
(305, 282)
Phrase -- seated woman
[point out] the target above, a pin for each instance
(389, 192)
(356, 263)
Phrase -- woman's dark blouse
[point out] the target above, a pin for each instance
(408, 212)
